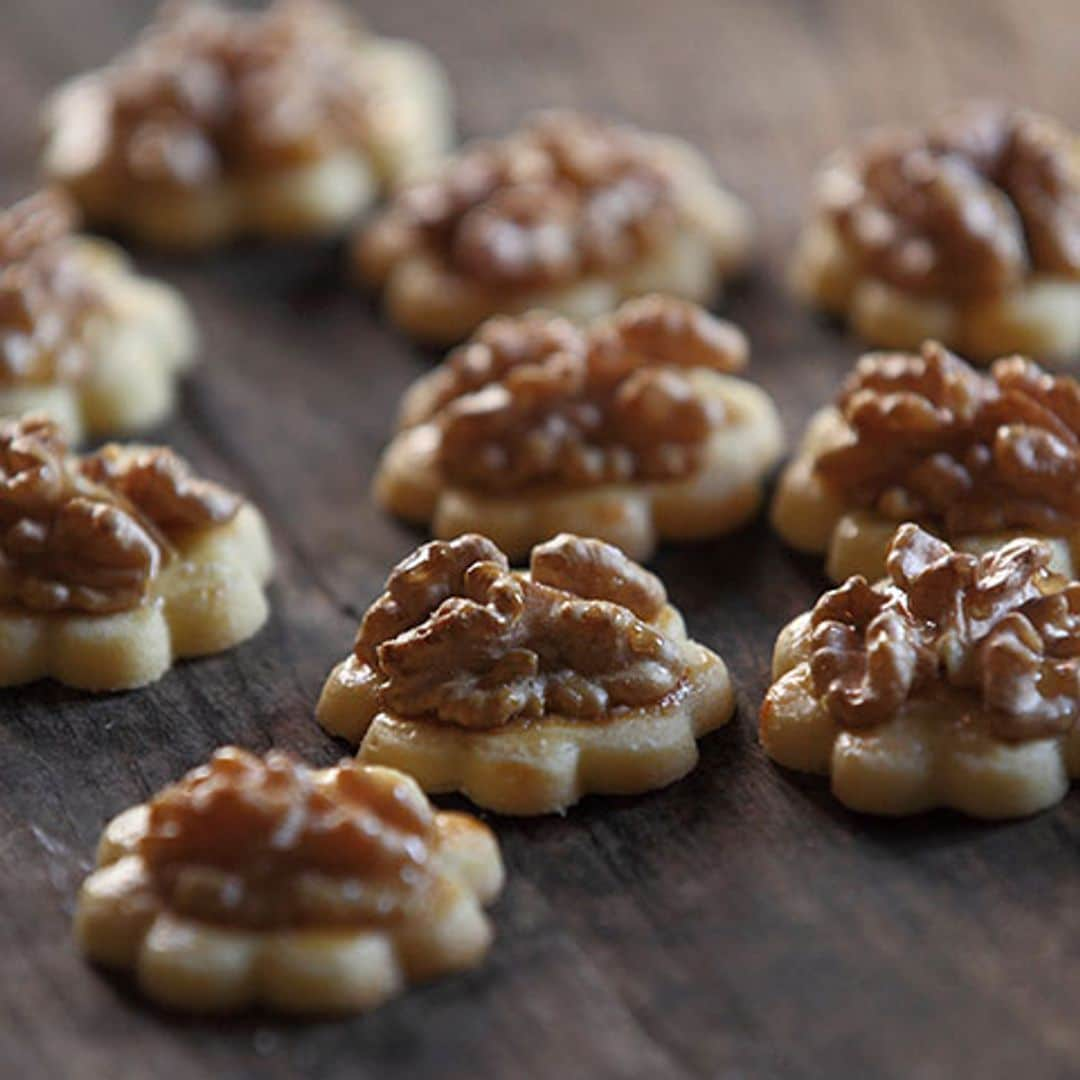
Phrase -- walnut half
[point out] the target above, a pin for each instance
(91, 534)
(933, 440)
(968, 209)
(208, 93)
(566, 196)
(1001, 626)
(46, 295)
(460, 638)
(266, 842)
(534, 401)
(161, 485)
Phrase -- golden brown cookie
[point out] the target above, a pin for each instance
(282, 122)
(967, 232)
(975, 458)
(83, 338)
(955, 682)
(259, 881)
(527, 690)
(569, 213)
(631, 430)
(116, 563)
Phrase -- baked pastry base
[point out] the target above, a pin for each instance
(138, 346)
(542, 766)
(725, 492)
(194, 966)
(1041, 319)
(812, 519)
(208, 597)
(435, 304)
(411, 125)
(933, 753)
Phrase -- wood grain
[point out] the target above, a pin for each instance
(737, 924)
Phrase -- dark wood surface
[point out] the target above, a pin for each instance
(739, 923)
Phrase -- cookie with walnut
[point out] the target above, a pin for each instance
(570, 213)
(116, 563)
(259, 881)
(83, 338)
(955, 682)
(975, 458)
(287, 121)
(527, 690)
(968, 232)
(632, 430)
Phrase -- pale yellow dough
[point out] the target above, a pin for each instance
(138, 345)
(208, 597)
(1040, 319)
(711, 243)
(411, 124)
(194, 966)
(812, 519)
(545, 765)
(725, 493)
(921, 759)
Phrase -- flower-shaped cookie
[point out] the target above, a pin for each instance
(259, 881)
(218, 123)
(526, 691)
(569, 213)
(977, 459)
(630, 430)
(83, 338)
(956, 682)
(968, 232)
(116, 563)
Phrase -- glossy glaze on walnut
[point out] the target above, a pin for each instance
(209, 93)
(967, 209)
(534, 401)
(46, 296)
(1000, 626)
(567, 196)
(458, 638)
(934, 440)
(265, 843)
(91, 533)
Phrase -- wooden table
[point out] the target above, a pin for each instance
(740, 923)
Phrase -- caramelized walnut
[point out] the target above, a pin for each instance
(521, 236)
(87, 556)
(498, 346)
(208, 93)
(865, 661)
(37, 223)
(45, 296)
(1001, 625)
(64, 544)
(162, 487)
(534, 401)
(33, 472)
(1035, 161)
(597, 571)
(935, 441)
(567, 196)
(965, 210)
(460, 639)
(266, 843)
(664, 329)
(1030, 666)
(91, 534)
(418, 585)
